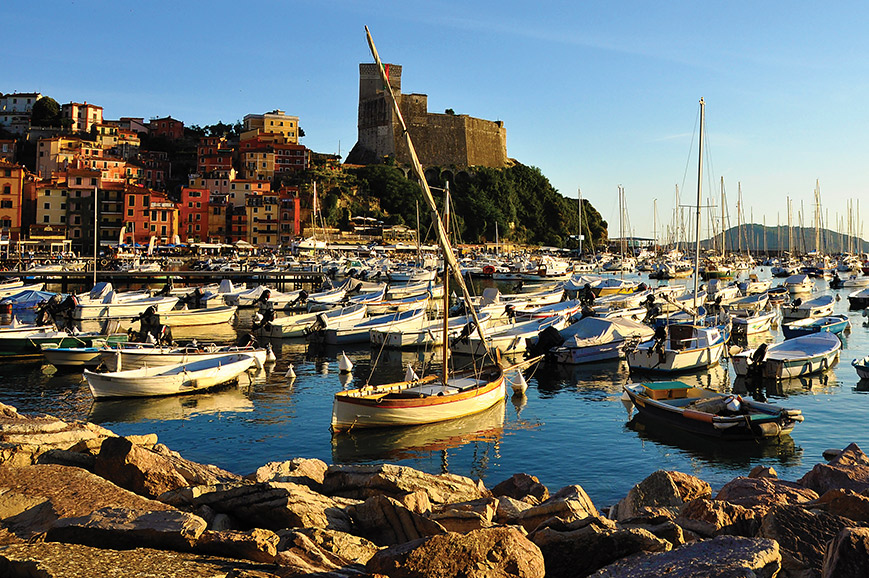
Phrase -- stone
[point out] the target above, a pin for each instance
(661, 489)
(121, 528)
(569, 503)
(55, 560)
(384, 521)
(762, 472)
(802, 536)
(721, 557)
(151, 473)
(487, 553)
(520, 486)
(81, 460)
(581, 547)
(272, 505)
(309, 472)
(847, 556)
(314, 551)
(466, 516)
(59, 492)
(417, 502)
(762, 493)
(364, 481)
(847, 504)
(660, 526)
(257, 544)
(509, 510)
(710, 518)
(849, 470)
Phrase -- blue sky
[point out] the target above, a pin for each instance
(595, 94)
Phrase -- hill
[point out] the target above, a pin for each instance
(759, 238)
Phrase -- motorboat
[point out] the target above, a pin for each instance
(508, 339)
(196, 317)
(429, 333)
(799, 283)
(830, 323)
(358, 331)
(795, 357)
(138, 355)
(681, 348)
(859, 299)
(752, 323)
(817, 307)
(594, 339)
(301, 324)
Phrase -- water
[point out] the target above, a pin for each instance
(571, 428)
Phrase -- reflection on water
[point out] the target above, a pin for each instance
(763, 388)
(173, 407)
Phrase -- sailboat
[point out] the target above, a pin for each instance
(432, 398)
(689, 347)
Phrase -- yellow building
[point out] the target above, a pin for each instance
(274, 122)
(83, 115)
(51, 201)
(259, 164)
(262, 212)
(11, 186)
(54, 154)
(239, 188)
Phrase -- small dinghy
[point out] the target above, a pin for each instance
(831, 323)
(677, 405)
(817, 307)
(862, 367)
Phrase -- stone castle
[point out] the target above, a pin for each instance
(440, 139)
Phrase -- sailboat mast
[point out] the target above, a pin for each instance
(723, 230)
(579, 209)
(96, 233)
(446, 336)
(699, 193)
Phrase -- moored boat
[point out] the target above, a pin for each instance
(817, 307)
(831, 323)
(196, 317)
(795, 357)
(682, 348)
(301, 324)
(139, 355)
(862, 367)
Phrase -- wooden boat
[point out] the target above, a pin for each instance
(817, 307)
(859, 299)
(756, 322)
(196, 317)
(684, 348)
(138, 355)
(169, 379)
(862, 367)
(353, 331)
(831, 323)
(303, 323)
(432, 398)
(593, 339)
(706, 412)
(795, 357)
(429, 332)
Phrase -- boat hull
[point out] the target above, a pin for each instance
(198, 317)
(674, 361)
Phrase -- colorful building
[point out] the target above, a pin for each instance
(213, 154)
(15, 110)
(168, 127)
(11, 187)
(274, 122)
(83, 116)
(194, 214)
(262, 215)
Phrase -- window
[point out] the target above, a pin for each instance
(131, 200)
(5, 204)
(45, 219)
(78, 180)
(7, 190)
(47, 206)
(130, 212)
(63, 218)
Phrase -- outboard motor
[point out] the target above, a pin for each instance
(755, 362)
(466, 331)
(659, 338)
(510, 311)
(547, 340)
(246, 340)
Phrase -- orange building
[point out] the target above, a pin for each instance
(194, 214)
(83, 115)
(168, 127)
(11, 186)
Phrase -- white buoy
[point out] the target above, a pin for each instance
(344, 363)
(291, 373)
(410, 374)
(518, 383)
(270, 355)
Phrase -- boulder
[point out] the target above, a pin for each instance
(802, 536)
(308, 472)
(660, 526)
(847, 555)
(362, 482)
(580, 547)
(847, 504)
(314, 551)
(121, 528)
(384, 521)
(487, 553)
(710, 518)
(722, 557)
(509, 510)
(762, 493)
(258, 544)
(849, 470)
(762, 472)
(54, 560)
(569, 503)
(661, 489)
(520, 486)
(152, 472)
(34, 497)
(272, 505)
(466, 516)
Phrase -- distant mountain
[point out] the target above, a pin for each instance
(758, 238)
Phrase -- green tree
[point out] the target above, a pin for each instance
(45, 112)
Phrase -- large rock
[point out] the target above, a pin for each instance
(802, 536)
(273, 505)
(308, 472)
(362, 482)
(466, 516)
(763, 493)
(120, 528)
(258, 544)
(849, 471)
(578, 548)
(314, 551)
(569, 503)
(520, 487)
(54, 560)
(152, 473)
(710, 518)
(847, 555)
(661, 526)
(385, 521)
(847, 504)
(23, 439)
(34, 497)
(661, 489)
(489, 553)
(722, 557)
(509, 510)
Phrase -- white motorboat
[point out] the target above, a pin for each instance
(684, 348)
(755, 322)
(399, 305)
(301, 324)
(173, 379)
(594, 339)
(817, 307)
(358, 331)
(196, 317)
(799, 284)
(508, 339)
(430, 333)
(138, 355)
(795, 357)
(563, 309)
(111, 308)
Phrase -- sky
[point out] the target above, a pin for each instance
(595, 94)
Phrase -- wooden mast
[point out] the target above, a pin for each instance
(697, 222)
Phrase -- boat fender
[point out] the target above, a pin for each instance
(825, 364)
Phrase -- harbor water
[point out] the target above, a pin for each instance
(571, 426)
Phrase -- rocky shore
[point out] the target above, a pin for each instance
(77, 500)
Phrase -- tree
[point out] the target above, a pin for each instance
(45, 112)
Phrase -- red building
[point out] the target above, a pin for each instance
(193, 215)
(149, 213)
(214, 153)
(166, 127)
